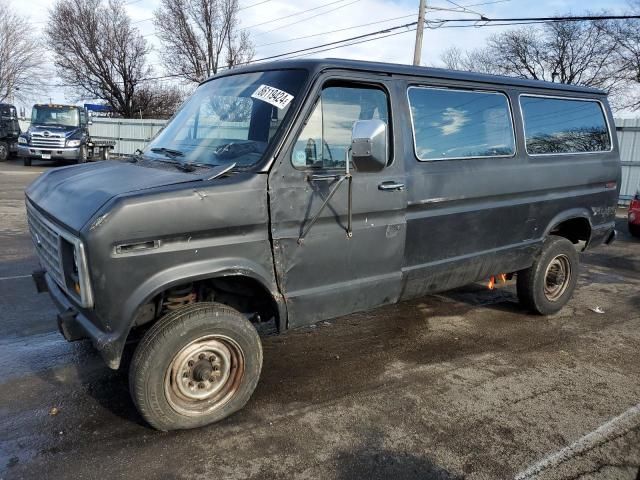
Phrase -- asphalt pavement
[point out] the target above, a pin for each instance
(458, 385)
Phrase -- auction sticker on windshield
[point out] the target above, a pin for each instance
(272, 95)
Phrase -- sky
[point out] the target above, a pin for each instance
(272, 36)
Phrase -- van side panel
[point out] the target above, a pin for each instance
(468, 219)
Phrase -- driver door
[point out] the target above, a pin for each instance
(328, 273)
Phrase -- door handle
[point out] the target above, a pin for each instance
(391, 186)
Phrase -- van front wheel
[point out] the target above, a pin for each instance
(195, 366)
(547, 285)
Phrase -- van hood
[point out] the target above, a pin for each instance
(72, 195)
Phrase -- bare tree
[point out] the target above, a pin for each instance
(98, 51)
(20, 56)
(157, 101)
(582, 53)
(201, 36)
(478, 60)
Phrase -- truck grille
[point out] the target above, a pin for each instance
(47, 140)
(47, 243)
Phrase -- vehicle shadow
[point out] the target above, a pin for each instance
(373, 461)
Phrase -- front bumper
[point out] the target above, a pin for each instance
(67, 153)
(75, 325)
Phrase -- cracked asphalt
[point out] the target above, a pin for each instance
(458, 385)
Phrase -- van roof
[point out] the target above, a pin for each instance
(317, 65)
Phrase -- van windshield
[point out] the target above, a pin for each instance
(229, 120)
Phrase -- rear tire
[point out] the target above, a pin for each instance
(4, 151)
(547, 285)
(26, 162)
(195, 366)
(634, 230)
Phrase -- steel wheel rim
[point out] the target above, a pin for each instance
(204, 375)
(557, 277)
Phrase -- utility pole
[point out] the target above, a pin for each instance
(417, 51)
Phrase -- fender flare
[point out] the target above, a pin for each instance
(203, 270)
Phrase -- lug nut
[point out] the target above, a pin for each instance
(190, 363)
(201, 356)
(201, 386)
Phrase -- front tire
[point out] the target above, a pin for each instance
(634, 230)
(4, 151)
(195, 366)
(26, 162)
(547, 285)
(82, 154)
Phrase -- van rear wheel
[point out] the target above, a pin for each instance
(195, 366)
(547, 285)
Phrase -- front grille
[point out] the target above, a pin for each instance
(47, 243)
(52, 140)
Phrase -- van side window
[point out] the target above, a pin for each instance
(326, 138)
(451, 124)
(559, 125)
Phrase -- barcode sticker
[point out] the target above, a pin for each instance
(273, 96)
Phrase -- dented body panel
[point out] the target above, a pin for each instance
(448, 223)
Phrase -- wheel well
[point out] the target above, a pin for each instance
(574, 229)
(243, 293)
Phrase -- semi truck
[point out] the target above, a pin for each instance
(61, 132)
(9, 131)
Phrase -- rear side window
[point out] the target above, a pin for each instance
(559, 125)
(451, 124)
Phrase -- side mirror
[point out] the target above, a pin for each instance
(369, 145)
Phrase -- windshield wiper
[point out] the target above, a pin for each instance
(168, 151)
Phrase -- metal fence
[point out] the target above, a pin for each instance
(628, 130)
(131, 134)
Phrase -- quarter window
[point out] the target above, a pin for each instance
(558, 125)
(326, 138)
(460, 124)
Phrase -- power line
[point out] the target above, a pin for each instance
(254, 5)
(307, 18)
(544, 19)
(292, 15)
(336, 31)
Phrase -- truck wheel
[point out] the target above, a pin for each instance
(634, 230)
(4, 151)
(26, 162)
(82, 155)
(195, 366)
(547, 285)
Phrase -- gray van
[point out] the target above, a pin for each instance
(286, 193)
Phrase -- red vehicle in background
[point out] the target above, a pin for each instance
(634, 215)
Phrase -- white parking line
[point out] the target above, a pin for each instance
(614, 428)
(15, 277)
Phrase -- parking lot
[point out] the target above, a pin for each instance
(463, 384)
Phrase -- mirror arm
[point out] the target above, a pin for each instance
(347, 162)
(322, 207)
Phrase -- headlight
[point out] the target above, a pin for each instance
(75, 271)
(22, 141)
(73, 143)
